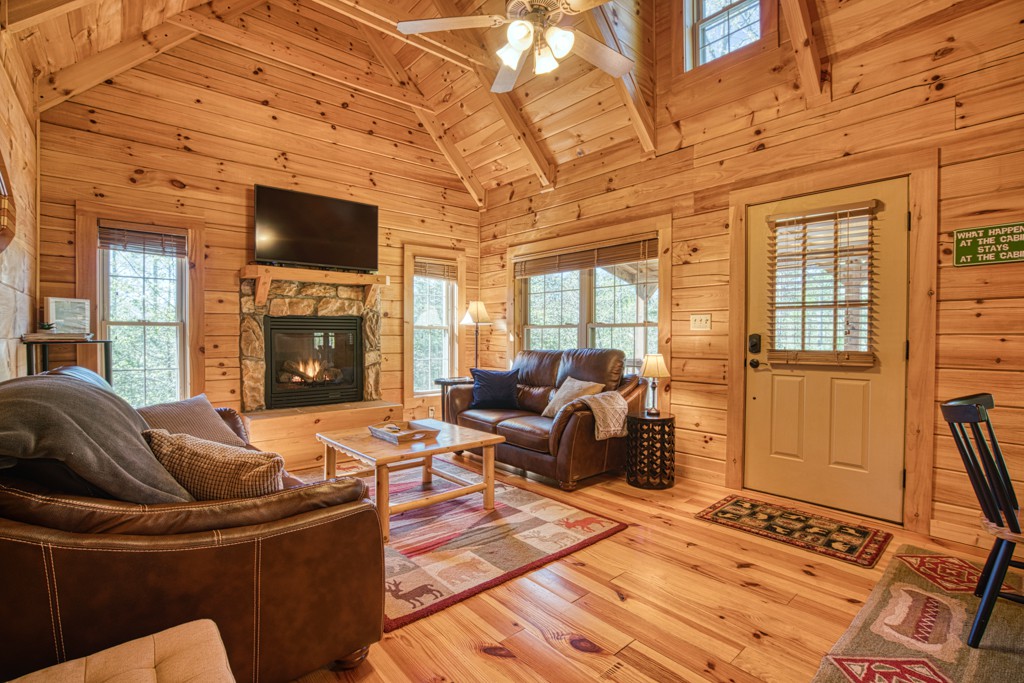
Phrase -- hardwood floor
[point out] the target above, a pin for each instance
(671, 598)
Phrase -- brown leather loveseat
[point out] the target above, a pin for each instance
(562, 448)
(294, 580)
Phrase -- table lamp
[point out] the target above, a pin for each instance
(476, 315)
(654, 368)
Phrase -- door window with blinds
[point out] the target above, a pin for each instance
(435, 298)
(142, 276)
(606, 297)
(821, 286)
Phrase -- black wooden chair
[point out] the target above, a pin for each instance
(991, 481)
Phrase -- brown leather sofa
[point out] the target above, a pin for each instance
(294, 580)
(562, 448)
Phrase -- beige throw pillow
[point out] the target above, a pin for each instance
(195, 416)
(570, 390)
(214, 471)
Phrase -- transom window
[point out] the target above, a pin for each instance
(599, 298)
(142, 311)
(435, 299)
(821, 286)
(721, 27)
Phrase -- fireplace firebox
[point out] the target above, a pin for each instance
(313, 361)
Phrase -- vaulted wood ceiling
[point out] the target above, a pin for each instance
(442, 80)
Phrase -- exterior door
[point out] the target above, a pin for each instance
(826, 348)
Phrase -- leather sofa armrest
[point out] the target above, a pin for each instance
(237, 422)
(565, 415)
(77, 514)
(634, 390)
(460, 397)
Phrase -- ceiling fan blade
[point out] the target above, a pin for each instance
(506, 78)
(577, 6)
(451, 23)
(601, 56)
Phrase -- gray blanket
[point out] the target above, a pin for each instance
(55, 420)
(609, 408)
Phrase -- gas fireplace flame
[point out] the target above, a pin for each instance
(311, 368)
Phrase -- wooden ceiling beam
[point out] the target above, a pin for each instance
(300, 58)
(813, 74)
(22, 14)
(602, 27)
(91, 71)
(379, 16)
(536, 159)
(429, 120)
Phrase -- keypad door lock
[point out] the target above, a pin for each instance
(754, 343)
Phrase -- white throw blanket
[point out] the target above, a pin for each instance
(609, 410)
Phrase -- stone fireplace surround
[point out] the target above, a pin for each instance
(289, 297)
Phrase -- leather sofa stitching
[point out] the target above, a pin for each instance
(49, 598)
(56, 602)
(255, 609)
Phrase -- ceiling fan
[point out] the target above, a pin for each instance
(533, 27)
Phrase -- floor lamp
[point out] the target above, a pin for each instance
(476, 315)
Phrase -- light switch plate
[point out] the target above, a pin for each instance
(700, 322)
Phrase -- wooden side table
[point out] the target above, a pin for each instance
(651, 455)
(447, 383)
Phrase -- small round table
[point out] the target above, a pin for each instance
(447, 383)
(651, 455)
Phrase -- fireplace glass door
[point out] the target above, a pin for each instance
(312, 361)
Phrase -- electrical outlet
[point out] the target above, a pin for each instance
(700, 322)
(430, 412)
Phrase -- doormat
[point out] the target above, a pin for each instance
(914, 627)
(860, 545)
(444, 553)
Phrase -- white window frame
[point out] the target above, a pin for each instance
(699, 21)
(450, 328)
(105, 323)
(412, 252)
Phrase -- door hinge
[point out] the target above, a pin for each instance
(906, 349)
(904, 479)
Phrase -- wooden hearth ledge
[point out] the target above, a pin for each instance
(264, 275)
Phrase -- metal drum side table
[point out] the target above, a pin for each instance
(651, 455)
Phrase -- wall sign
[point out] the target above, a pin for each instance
(991, 244)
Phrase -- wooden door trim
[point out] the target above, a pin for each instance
(922, 171)
(87, 216)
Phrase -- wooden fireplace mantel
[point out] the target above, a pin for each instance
(264, 275)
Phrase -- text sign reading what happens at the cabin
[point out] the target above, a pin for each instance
(992, 244)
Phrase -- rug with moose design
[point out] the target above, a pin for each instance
(445, 553)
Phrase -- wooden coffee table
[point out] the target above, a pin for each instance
(383, 457)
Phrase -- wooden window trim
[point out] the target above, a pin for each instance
(659, 227)
(922, 170)
(682, 51)
(87, 217)
(8, 216)
(409, 255)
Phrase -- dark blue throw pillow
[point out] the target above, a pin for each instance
(494, 389)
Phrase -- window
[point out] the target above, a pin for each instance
(434, 310)
(142, 276)
(720, 27)
(600, 298)
(821, 286)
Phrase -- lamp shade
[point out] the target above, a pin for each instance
(543, 60)
(520, 34)
(654, 366)
(510, 55)
(559, 40)
(476, 314)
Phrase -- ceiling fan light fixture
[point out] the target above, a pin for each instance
(520, 34)
(510, 56)
(560, 41)
(543, 59)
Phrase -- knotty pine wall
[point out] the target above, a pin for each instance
(192, 130)
(18, 261)
(924, 75)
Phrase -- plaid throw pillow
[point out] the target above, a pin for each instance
(214, 471)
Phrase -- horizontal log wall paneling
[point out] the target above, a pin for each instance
(922, 77)
(193, 129)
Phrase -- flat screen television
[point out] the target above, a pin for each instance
(295, 228)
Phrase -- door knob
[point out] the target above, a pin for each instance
(755, 363)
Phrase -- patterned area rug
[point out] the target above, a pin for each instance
(445, 553)
(913, 628)
(853, 543)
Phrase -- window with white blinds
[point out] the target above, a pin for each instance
(821, 286)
